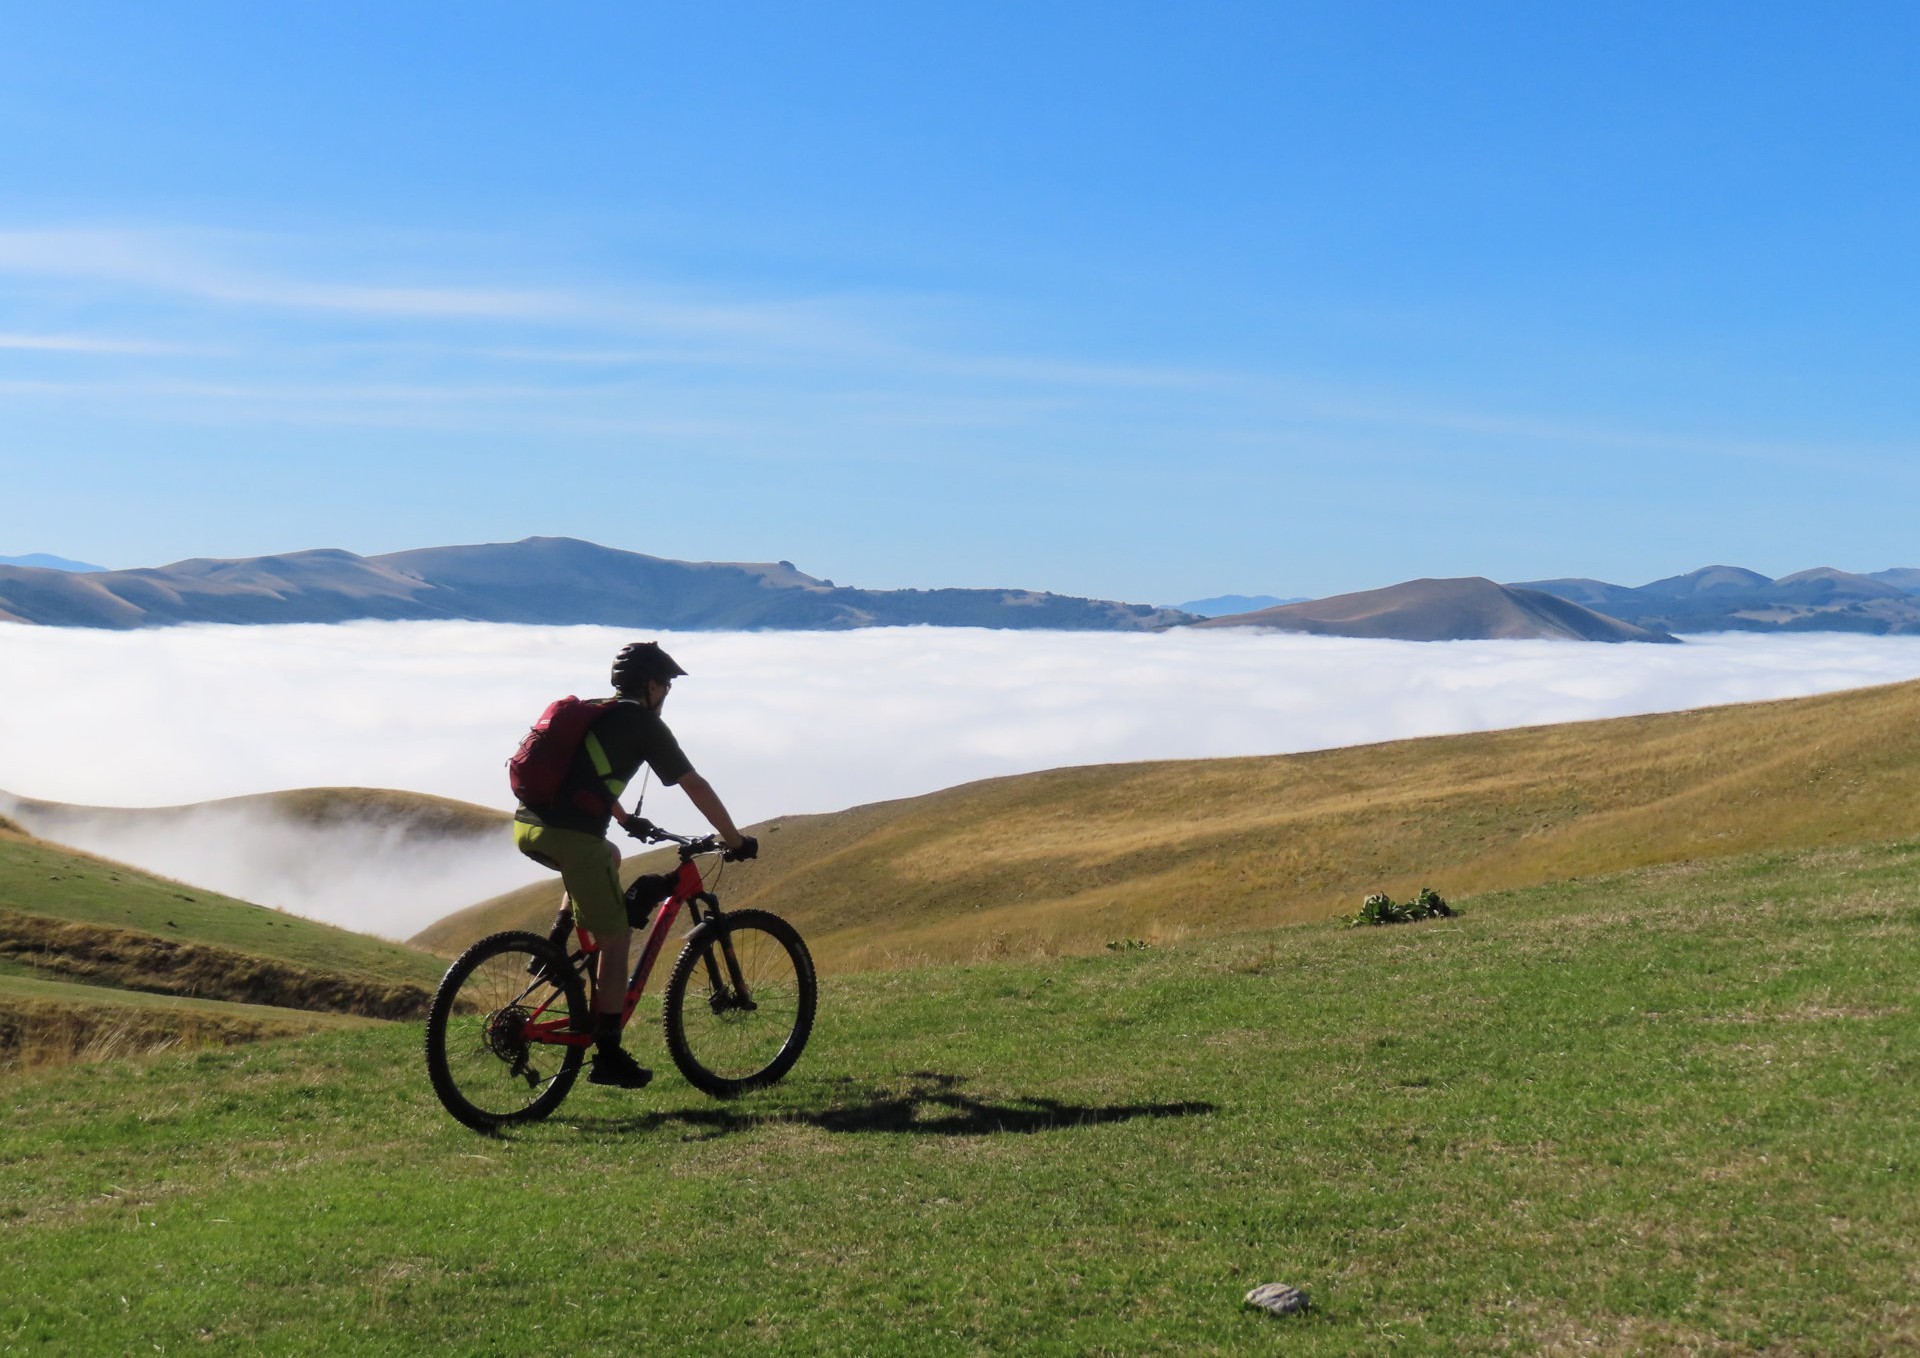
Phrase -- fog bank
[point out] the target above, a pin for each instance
(780, 722)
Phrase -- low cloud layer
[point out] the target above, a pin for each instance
(780, 722)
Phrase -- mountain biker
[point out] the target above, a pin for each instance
(569, 834)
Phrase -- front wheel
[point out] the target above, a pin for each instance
(740, 1003)
(489, 1048)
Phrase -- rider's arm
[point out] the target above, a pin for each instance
(707, 802)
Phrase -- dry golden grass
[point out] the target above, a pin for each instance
(1067, 860)
(44, 1024)
(139, 960)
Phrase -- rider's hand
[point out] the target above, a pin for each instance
(749, 847)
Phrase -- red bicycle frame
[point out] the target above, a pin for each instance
(688, 887)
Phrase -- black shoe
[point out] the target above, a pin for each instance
(613, 1066)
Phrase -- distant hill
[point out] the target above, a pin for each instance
(1900, 577)
(1443, 610)
(1066, 860)
(1732, 598)
(408, 815)
(50, 563)
(1232, 603)
(537, 580)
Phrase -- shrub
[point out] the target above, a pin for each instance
(1381, 908)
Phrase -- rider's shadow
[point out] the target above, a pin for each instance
(933, 1104)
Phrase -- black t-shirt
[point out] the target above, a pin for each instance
(631, 734)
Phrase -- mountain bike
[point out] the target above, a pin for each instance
(512, 1019)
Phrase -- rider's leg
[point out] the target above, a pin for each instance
(590, 867)
(610, 972)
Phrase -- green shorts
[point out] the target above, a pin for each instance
(589, 867)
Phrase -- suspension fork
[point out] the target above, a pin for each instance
(734, 983)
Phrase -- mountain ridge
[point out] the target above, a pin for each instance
(1735, 599)
(535, 580)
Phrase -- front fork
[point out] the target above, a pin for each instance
(728, 991)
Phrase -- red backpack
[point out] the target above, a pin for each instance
(540, 765)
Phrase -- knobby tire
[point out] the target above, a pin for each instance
(482, 1072)
(724, 1047)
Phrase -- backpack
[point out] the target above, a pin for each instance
(539, 767)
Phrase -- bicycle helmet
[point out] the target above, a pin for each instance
(640, 661)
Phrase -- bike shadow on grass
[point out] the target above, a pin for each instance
(931, 1104)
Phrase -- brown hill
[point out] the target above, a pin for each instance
(410, 815)
(1071, 859)
(1470, 609)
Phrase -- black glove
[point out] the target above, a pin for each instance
(749, 848)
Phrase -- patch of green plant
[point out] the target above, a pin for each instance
(1381, 908)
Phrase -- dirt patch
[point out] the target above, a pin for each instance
(132, 960)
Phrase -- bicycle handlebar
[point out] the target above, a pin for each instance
(647, 832)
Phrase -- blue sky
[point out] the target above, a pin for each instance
(1140, 301)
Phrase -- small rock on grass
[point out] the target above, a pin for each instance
(1277, 1299)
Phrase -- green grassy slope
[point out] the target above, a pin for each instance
(98, 959)
(1669, 1112)
(1067, 860)
(46, 880)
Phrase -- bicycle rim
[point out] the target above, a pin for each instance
(484, 1068)
(734, 1026)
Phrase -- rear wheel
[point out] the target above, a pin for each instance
(740, 1003)
(484, 1065)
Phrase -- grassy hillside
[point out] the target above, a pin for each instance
(46, 880)
(1068, 860)
(1668, 1112)
(99, 959)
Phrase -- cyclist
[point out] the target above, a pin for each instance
(569, 834)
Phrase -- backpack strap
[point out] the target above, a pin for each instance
(603, 766)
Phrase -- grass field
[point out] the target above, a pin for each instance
(1670, 1111)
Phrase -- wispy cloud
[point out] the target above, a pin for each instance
(91, 344)
(897, 347)
(792, 722)
(212, 268)
(163, 263)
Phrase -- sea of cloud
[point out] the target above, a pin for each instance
(781, 722)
